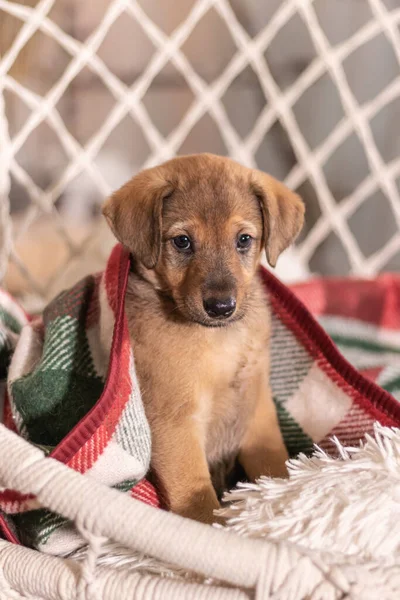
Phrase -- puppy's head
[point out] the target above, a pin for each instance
(197, 225)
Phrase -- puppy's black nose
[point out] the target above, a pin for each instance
(219, 308)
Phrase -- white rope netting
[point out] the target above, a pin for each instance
(279, 106)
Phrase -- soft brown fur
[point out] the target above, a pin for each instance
(204, 381)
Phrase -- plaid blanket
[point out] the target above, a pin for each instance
(70, 385)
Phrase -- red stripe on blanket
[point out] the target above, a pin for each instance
(372, 373)
(118, 262)
(376, 302)
(93, 312)
(355, 421)
(8, 418)
(12, 497)
(145, 492)
(119, 388)
(8, 534)
(88, 454)
(116, 276)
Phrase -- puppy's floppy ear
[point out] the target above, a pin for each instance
(134, 214)
(282, 212)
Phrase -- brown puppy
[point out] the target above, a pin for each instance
(199, 319)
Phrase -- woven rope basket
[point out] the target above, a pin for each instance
(205, 562)
(239, 568)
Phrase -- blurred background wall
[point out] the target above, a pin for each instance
(127, 51)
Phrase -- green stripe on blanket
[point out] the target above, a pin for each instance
(368, 347)
(35, 527)
(365, 345)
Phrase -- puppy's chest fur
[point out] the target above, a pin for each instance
(228, 373)
(207, 375)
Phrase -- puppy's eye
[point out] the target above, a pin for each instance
(182, 243)
(244, 241)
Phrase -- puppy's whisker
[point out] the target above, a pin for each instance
(178, 307)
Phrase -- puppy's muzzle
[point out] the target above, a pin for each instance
(219, 309)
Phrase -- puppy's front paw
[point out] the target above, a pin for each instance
(199, 506)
